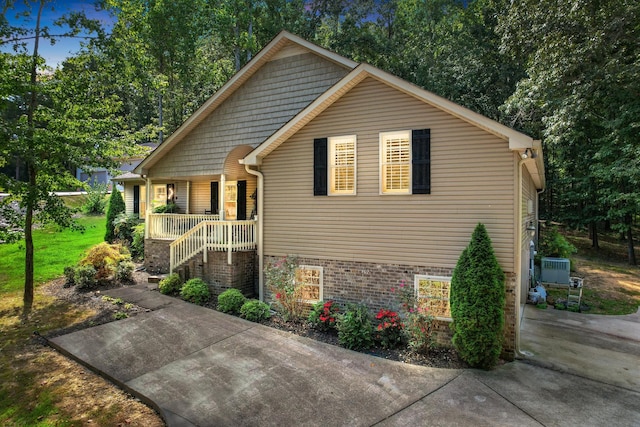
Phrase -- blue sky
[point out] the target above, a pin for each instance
(54, 9)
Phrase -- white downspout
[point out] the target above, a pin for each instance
(518, 251)
(260, 229)
(148, 207)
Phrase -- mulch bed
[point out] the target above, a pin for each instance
(438, 357)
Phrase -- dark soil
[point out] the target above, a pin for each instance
(438, 357)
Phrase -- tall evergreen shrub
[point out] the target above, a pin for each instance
(477, 302)
(116, 206)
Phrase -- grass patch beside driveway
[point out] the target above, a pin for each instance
(54, 249)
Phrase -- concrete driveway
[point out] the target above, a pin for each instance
(602, 348)
(200, 367)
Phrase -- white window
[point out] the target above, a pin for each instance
(342, 164)
(310, 279)
(433, 294)
(395, 162)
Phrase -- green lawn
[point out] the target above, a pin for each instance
(54, 249)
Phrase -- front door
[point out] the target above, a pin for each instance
(235, 200)
(230, 200)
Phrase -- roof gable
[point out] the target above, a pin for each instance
(283, 45)
(517, 141)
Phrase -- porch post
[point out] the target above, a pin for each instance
(148, 207)
(221, 210)
(188, 193)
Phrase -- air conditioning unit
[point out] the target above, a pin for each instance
(555, 270)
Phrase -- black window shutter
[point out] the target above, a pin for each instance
(241, 213)
(136, 199)
(320, 167)
(215, 191)
(421, 161)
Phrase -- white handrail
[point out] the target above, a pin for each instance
(172, 226)
(207, 236)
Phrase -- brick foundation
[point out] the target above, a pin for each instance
(156, 256)
(370, 283)
(241, 274)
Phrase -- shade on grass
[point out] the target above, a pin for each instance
(54, 249)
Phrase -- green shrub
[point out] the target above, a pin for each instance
(195, 291)
(553, 244)
(116, 207)
(419, 321)
(323, 315)
(85, 276)
(124, 271)
(69, 274)
(390, 330)
(123, 226)
(95, 201)
(355, 330)
(255, 311)
(168, 208)
(280, 277)
(170, 285)
(477, 303)
(231, 301)
(137, 242)
(104, 257)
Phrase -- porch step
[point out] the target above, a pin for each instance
(154, 279)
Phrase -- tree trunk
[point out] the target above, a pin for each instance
(593, 231)
(160, 119)
(28, 242)
(236, 32)
(630, 248)
(28, 232)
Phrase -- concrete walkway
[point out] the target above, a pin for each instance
(602, 348)
(200, 367)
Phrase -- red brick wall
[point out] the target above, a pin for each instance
(371, 283)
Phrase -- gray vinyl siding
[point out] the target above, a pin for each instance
(472, 181)
(200, 198)
(181, 196)
(269, 99)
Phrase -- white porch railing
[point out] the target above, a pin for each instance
(172, 226)
(226, 236)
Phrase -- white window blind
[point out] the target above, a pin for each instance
(395, 160)
(342, 164)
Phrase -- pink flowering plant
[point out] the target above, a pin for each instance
(280, 276)
(418, 320)
(390, 330)
(324, 315)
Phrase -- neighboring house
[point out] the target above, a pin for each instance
(134, 187)
(100, 175)
(369, 180)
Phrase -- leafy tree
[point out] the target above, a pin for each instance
(115, 208)
(51, 122)
(477, 302)
(583, 77)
